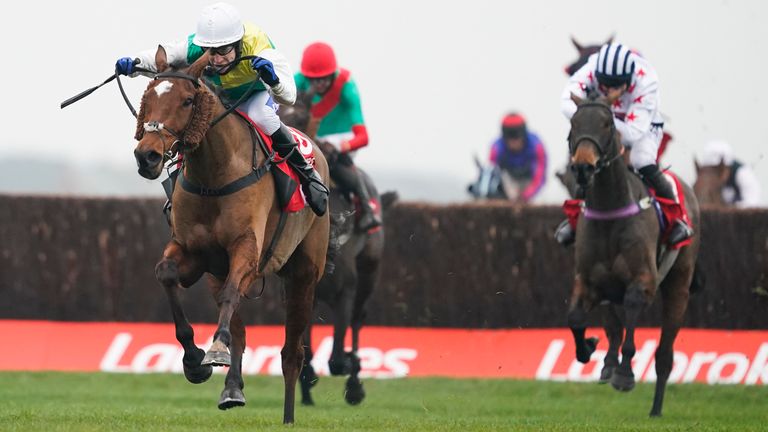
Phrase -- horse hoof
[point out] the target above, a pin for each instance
(354, 393)
(198, 374)
(231, 398)
(583, 354)
(621, 382)
(307, 401)
(340, 367)
(606, 374)
(216, 358)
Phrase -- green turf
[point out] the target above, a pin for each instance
(117, 402)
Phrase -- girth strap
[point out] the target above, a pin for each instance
(243, 182)
(230, 188)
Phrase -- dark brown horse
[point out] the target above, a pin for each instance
(584, 51)
(356, 267)
(710, 181)
(226, 234)
(617, 252)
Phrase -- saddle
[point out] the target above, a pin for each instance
(289, 194)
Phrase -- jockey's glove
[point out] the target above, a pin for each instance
(266, 71)
(124, 66)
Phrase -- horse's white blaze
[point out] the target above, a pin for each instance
(163, 87)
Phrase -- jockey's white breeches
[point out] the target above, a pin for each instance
(645, 150)
(262, 109)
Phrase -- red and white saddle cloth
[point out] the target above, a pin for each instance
(668, 211)
(298, 201)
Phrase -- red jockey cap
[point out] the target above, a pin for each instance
(513, 120)
(318, 60)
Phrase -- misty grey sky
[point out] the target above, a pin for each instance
(435, 77)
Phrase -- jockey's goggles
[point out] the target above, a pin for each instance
(222, 50)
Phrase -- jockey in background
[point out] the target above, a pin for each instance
(261, 82)
(742, 189)
(631, 86)
(520, 153)
(337, 118)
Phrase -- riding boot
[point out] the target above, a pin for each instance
(565, 234)
(655, 178)
(347, 175)
(311, 183)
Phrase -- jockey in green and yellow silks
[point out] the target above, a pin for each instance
(262, 82)
(336, 106)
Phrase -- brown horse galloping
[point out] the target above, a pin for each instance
(617, 257)
(226, 235)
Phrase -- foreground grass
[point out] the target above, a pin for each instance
(115, 402)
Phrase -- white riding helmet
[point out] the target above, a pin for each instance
(716, 152)
(219, 24)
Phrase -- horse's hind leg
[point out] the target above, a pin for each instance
(308, 377)
(577, 321)
(614, 330)
(302, 272)
(176, 265)
(674, 291)
(635, 298)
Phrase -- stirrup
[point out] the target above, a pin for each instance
(565, 234)
(680, 232)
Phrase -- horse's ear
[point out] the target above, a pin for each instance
(698, 167)
(610, 38)
(577, 100)
(724, 170)
(577, 45)
(198, 66)
(161, 59)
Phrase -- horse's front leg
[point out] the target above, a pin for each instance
(367, 274)
(243, 268)
(581, 303)
(614, 330)
(174, 269)
(638, 294)
(340, 364)
(232, 395)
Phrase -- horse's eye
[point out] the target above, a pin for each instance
(188, 101)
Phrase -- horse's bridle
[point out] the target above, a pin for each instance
(154, 126)
(604, 161)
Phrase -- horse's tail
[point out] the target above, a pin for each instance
(699, 279)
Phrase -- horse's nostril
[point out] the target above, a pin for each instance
(154, 157)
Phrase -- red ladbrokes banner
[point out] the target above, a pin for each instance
(711, 356)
